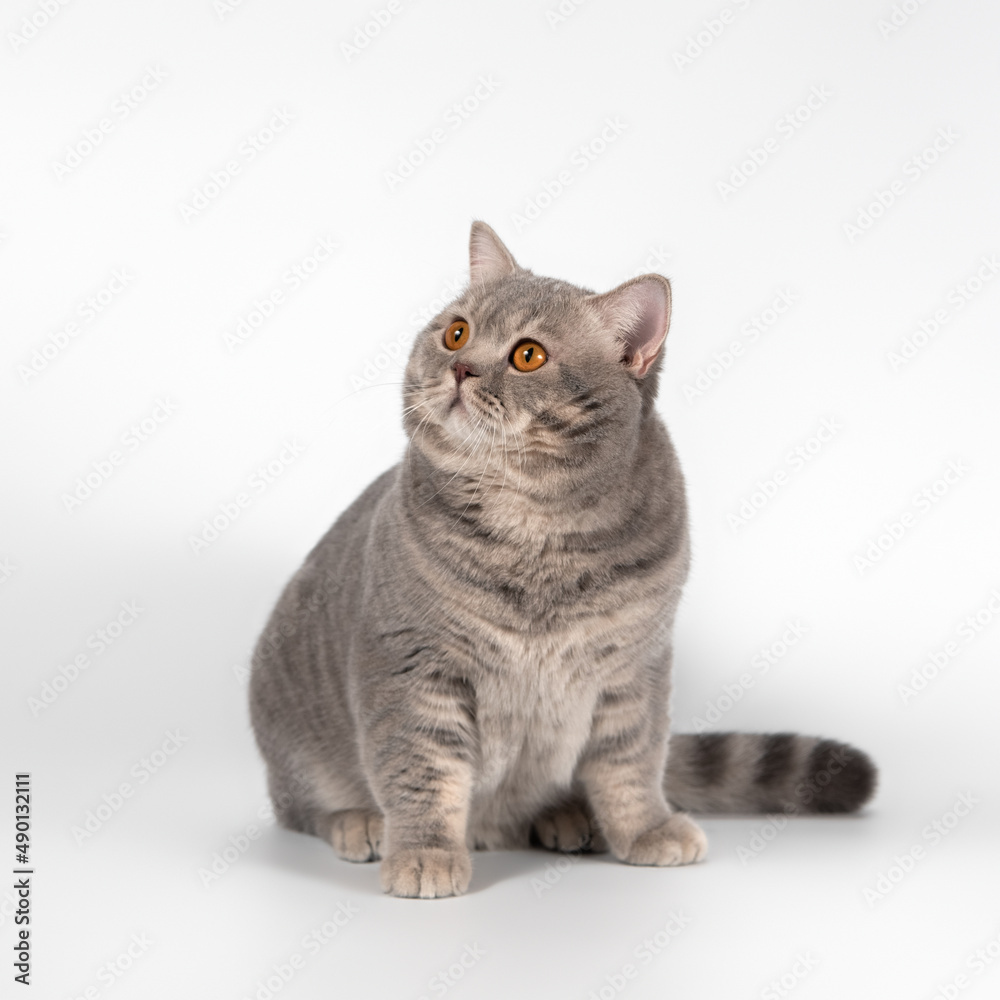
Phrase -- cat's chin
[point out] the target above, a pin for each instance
(458, 420)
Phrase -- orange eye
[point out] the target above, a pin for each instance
(528, 356)
(456, 335)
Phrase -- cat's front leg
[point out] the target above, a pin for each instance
(420, 750)
(622, 773)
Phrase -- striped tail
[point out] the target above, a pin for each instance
(759, 772)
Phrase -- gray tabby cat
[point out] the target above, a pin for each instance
(477, 654)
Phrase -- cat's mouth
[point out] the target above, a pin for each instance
(463, 412)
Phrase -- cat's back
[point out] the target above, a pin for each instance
(325, 589)
(298, 691)
(351, 528)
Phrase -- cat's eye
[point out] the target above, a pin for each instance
(528, 356)
(456, 335)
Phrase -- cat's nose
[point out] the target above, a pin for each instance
(461, 372)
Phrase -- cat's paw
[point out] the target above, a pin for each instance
(427, 872)
(356, 834)
(568, 828)
(678, 840)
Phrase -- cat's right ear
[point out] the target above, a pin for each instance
(638, 312)
(489, 259)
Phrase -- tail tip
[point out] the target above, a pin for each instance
(841, 778)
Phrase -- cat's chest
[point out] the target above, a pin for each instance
(534, 712)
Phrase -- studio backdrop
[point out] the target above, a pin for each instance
(222, 225)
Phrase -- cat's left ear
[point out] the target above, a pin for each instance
(489, 259)
(638, 313)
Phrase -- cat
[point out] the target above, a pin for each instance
(477, 654)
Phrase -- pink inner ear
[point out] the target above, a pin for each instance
(643, 340)
(644, 313)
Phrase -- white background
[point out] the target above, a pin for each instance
(73, 215)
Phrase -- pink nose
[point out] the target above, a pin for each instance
(462, 372)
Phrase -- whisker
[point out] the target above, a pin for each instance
(482, 433)
(485, 467)
(409, 444)
(503, 449)
(374, 385)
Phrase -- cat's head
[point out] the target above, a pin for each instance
(525, 364)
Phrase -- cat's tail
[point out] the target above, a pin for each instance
(766, 772)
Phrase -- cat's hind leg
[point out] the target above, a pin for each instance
(314, 805)
(568, 826)
(356, 834)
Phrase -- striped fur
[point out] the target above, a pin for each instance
(477, 655)
(777, 772)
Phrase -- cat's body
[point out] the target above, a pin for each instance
(479, 649)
